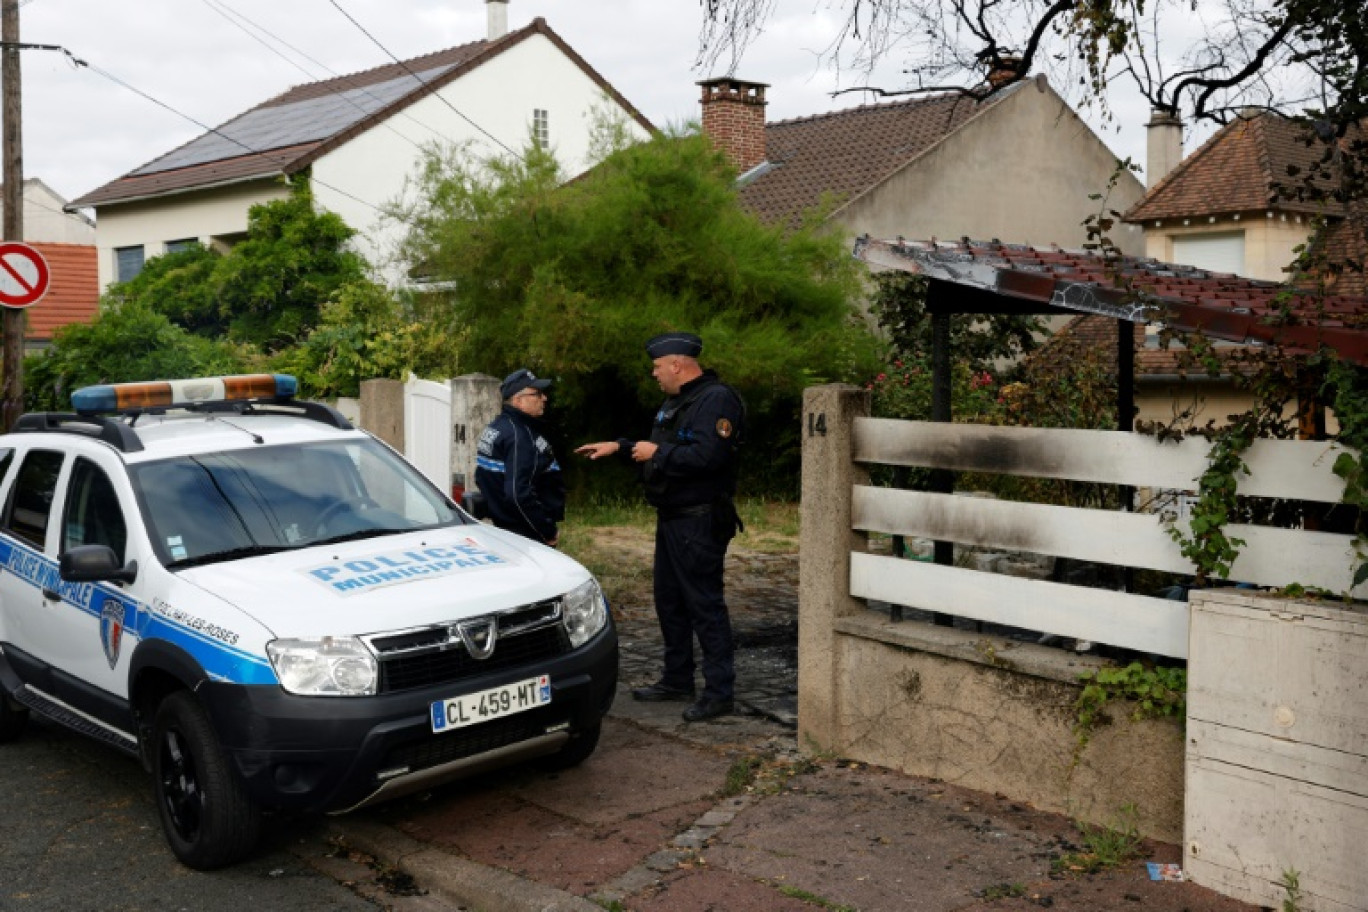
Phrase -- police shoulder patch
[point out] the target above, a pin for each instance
(724, 428)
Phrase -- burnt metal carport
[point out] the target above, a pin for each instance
(973, 277)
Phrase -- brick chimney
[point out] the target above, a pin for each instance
(496, 12)
(734, 119)
(1164, 149)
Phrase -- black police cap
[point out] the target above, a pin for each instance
(519, 380)
(678, 343)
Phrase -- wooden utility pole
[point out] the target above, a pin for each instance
(12, 354)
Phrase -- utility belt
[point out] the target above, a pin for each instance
(725, 520)
(681, 512)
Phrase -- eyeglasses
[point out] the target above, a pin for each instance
(538, 393)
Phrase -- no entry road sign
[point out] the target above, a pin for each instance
(24, 275)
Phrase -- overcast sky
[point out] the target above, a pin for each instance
(82, 129)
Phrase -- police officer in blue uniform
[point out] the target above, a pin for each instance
(516, 470)
(688, 465)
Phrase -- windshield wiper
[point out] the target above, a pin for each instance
(214, 557)
(356, 536)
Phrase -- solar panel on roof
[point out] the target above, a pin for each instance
(275, 127)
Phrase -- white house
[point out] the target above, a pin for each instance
(45, 218)
(359, 138)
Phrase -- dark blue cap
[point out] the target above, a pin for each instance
(519, 380)
(674, 344)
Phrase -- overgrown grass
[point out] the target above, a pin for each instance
(1104, 847)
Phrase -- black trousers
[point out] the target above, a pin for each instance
(689, 604)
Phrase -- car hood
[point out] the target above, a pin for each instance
(390, 583)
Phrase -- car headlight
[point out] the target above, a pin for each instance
(585, 612)
(325, 667)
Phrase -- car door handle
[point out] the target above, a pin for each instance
(51, 595)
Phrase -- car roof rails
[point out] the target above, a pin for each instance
(111, 430)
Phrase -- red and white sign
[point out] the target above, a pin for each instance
(24, 276)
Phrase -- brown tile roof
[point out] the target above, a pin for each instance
(1345, 243)
(289, 132)
(836, 157)
(73, 296)
(1099, 332)
(1220, 305)
(1236, 170)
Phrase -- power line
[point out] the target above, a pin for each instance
(161, 104)
(421, 80)
(232, 15)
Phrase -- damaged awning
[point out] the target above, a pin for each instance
(1219, 306)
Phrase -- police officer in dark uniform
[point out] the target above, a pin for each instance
(516, 470)
(689, 468)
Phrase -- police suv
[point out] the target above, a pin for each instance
(274, 611)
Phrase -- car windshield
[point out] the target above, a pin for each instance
(223, 506)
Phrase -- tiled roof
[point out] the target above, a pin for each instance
(74, 293)
(292, 130)
(840, 155)
(1220, 305)
(1236, 170)
(1345, 243)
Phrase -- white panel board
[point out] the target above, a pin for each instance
(1118, 618)
(1269, 557)
(427, 429)
(1298, 469)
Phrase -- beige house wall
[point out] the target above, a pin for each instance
(1020, 172)
(203, 215)
(1269, 239)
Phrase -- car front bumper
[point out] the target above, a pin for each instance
(339, 753)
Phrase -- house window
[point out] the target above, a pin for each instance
(541, 128)
(128, 262)
(182, 244)
(1223, 252)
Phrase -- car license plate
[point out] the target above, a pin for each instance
(494, 703)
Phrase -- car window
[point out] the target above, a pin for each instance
(30, 502)
(93, 515)
(231, 504)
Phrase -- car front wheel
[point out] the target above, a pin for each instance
(205, 812)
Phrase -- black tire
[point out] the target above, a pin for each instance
(205, 813)
(575, 752)
(13, 718)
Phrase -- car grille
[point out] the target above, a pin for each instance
(436, 655)
(476, 739)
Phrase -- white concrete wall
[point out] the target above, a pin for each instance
(1021, 172)
(499, 96)
(204, 215)
(44, 219)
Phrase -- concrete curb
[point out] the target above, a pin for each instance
(458, 880)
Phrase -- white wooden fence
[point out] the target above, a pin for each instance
(1271, 557)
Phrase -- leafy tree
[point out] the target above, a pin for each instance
(127, 341)
(367, 332)
(571, 279)
(268, 290)
(270, 287)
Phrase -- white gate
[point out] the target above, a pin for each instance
(427, 429)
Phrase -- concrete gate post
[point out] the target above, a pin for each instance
(474, 403)
(824, 546)
(382, 410)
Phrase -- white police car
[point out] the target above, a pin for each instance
(274, 611)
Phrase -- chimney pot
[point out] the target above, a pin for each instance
(1164, 146)
(496, 14)
(734, 119)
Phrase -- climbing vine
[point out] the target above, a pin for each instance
(1156, 692)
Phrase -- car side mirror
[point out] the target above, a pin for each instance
(95, 564)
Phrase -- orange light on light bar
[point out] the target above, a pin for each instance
(117, 397)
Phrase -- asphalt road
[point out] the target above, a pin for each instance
(78, 831)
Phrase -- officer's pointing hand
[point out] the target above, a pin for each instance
(598, 450)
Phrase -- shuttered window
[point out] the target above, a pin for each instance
(128, 262)
(1222, 252)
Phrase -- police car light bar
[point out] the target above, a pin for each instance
(117, 397)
